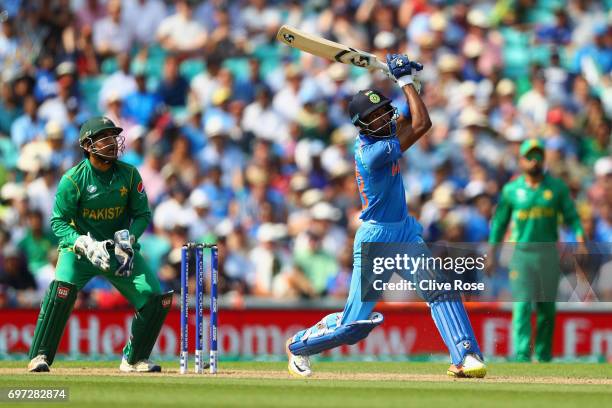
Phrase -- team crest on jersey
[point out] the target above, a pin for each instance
(91, 189)
(374, 98)
(548, 194)
(140, 187)
(62, 292)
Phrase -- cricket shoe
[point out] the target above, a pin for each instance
(472, 367)
(142, 366)
(298, 365)
(39, 364)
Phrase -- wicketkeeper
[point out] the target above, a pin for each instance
(100, 211)
(534, 202)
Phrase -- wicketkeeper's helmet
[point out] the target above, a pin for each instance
(100, 128)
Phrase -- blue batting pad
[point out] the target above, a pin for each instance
(328, 333)
(455, 328)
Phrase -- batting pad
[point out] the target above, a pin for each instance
(328, 334)
(54, 313)
(146, 326)
(454, 326)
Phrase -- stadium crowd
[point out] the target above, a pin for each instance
(247, 142)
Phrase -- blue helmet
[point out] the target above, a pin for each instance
(363, 104)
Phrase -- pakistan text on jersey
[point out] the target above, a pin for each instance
(535, 212)
(109, 213)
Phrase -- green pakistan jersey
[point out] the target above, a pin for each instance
(100, 203)
(535, 211)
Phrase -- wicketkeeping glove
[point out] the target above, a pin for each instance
(95, 251)
(124, 253)
(402, 68)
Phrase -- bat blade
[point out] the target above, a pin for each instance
(327, 49)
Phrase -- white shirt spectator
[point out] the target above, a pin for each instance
(203, 86)
(144, 16)
(54, 109)
(287, 103)
(169, 211)
(184, 34)
(118, 84)
(116, 36)
(257, 20)
(534, 105)
(38, 193)
(265, 123)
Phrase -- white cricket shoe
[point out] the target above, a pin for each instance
(39, 364)
(142, 366)
(298, 365)
(472, 367)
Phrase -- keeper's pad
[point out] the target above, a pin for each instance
(455, 328)
(54, 313)
(146, 325)
(328, 334)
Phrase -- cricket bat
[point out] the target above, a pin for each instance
(327, 49)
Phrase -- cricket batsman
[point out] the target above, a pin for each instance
(383, 136)
(100, 211)
(534, 202)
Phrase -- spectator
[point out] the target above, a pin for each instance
(219, 150)
(270, 262)
(141, 105)
(534, 104)
(260, 117)
(90, 12)
(120, 83)
(13, 271)
(596, 56)
(219, 195)
(56, 109)
(174, 87)
(144, 16)
(180, 33)
(112, 35)
(27, 127)
(318, 265)
(36, 243)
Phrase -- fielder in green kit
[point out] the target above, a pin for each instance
(100, 211)
(534, 202)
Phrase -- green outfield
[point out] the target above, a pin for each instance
(337, 384)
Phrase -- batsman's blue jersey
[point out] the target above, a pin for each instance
(380, 183)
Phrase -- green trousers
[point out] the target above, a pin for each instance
(137, 288)
(534, 280)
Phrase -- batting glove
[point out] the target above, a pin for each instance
(402, 68)
(95, 251)
(124, 253)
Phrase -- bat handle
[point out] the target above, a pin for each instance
(377, 64)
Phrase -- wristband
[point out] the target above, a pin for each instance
(405, 80)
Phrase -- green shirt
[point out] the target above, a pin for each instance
(535, 211)
(36, 250)
(318, 267)
(101, 203)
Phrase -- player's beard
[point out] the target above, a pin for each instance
(536, 170)
(111, 151)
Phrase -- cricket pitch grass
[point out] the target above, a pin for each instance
(334, 384)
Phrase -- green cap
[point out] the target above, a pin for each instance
(529, 145)
(96, 125)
